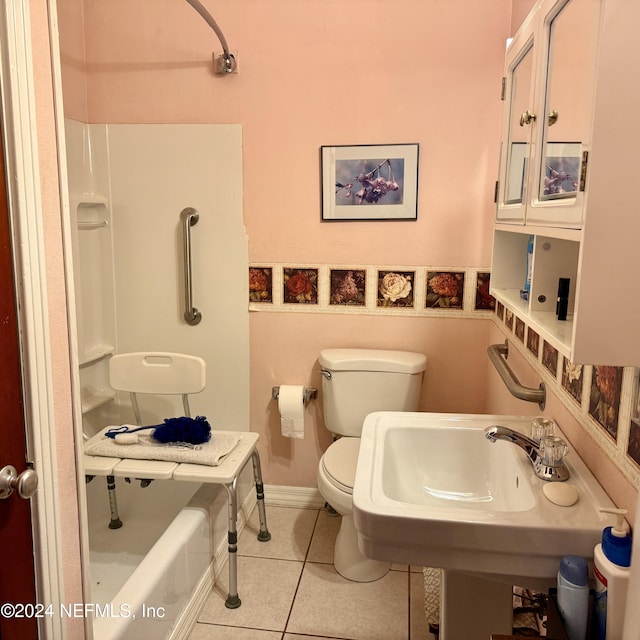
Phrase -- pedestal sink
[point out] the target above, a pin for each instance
(431, 490)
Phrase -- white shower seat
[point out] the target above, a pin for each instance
(163, 373)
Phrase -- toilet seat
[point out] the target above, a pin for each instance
(339, 463)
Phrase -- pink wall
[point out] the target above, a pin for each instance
(311, 74)
(316, 73)
(285, 350)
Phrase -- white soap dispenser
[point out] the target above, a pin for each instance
(611, 561)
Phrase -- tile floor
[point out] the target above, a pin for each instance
(291, 591)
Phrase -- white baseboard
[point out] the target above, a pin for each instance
(302, 497)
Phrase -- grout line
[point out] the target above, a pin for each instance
(315, 526)
(304, 564)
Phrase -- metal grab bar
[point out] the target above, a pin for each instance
(189, 217)
(496, 351)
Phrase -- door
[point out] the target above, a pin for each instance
(17, 574)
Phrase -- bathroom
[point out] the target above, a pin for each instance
(426, 73)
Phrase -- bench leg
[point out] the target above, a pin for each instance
(263, 534)
(233, 600)
(115, 522)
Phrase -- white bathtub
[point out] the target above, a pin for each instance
(143, 574)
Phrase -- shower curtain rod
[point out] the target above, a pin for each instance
(226, 62)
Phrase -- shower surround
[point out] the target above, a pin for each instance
(128, 185)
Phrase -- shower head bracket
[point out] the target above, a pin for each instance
(225, 63)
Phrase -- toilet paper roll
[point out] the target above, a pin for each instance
(291, 407)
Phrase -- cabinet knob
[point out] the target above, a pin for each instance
(552, 118)
(527, 118)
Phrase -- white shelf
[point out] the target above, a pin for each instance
(558, 333)
(93, 399)
(534, 230)
(95, 354)
(92, 224)
(88, 199)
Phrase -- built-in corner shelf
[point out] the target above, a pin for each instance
(92, 399)
(95, 354)
(90, 211)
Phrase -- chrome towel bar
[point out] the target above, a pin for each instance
(189, 217)
(495, 352)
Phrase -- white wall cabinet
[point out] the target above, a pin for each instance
(568, 164)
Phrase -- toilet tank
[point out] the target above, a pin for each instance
(357, 382)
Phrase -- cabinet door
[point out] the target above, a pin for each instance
(518, 124)
(568, 46)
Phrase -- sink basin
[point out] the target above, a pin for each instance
(431, 490)
(441, 468)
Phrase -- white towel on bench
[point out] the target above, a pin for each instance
(210, 453)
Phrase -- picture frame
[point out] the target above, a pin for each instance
(560, 170)
(369, 182)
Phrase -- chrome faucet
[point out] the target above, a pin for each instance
(548, 465)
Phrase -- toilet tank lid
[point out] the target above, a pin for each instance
(372, 360)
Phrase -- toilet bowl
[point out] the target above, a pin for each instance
(336, 473)
(357, 382)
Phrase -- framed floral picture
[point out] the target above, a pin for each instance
(370, 182)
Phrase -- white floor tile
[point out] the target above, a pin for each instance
(279, 589)
(290, 529)
(217, 632)
(324, 538)
(419, 629)
(328, 605)
(266, 588)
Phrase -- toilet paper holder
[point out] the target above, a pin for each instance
(307, 395)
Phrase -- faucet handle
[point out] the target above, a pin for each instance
(542, 427)
(553, 450)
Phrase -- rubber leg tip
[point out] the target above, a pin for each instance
(115, 524)
(232, 602)
(264, 536)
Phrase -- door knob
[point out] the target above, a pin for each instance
(24, 484)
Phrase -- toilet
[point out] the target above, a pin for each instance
(355, 383)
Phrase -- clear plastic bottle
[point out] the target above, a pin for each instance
(526, 290)
(573, 596)
(611, 562)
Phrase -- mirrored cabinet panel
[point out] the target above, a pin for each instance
(569, 34)
(518, 93)
(518, 142)
(550, 82)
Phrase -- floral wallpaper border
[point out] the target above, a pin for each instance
(370, 289)
(604, 399)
